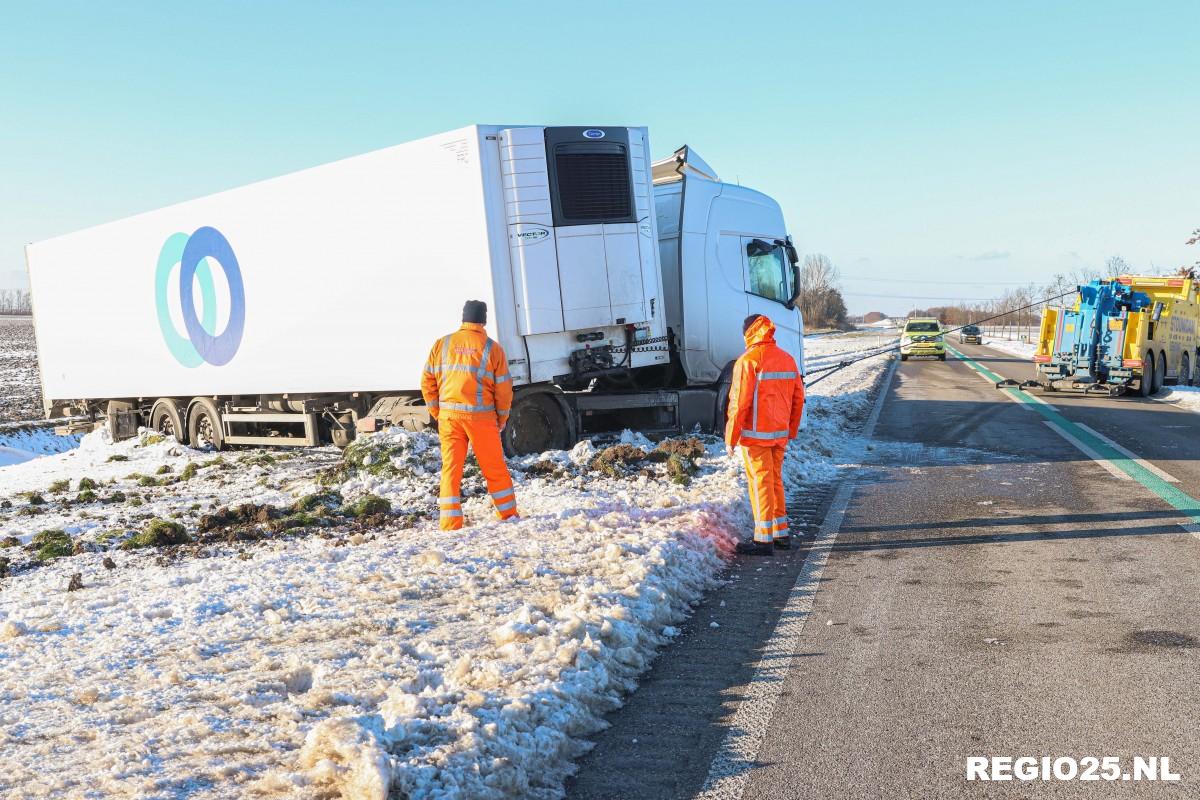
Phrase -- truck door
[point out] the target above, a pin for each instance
(770, 289)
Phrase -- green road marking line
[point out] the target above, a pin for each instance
(1167, 492)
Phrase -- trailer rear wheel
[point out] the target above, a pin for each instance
(538, 422)
(1160, 373)
(1147, 383)
(204, 425)
(166, 419)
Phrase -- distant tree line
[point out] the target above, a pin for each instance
(15, 301)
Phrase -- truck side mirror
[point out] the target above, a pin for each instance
(791, 303)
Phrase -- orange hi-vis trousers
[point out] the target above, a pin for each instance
(482, 433)
(764, 478)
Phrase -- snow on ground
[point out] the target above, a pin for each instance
(24, 441)
(1183, 396)
(20, 384)
(334, 649)
(1020, 349)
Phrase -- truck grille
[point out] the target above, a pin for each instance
(594, 187)
(591, 175)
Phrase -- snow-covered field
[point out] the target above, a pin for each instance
(314, 635)
(20, 385)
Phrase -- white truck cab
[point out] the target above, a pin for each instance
(725, 254)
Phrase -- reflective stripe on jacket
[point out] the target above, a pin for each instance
(766, 397)
(467, 374)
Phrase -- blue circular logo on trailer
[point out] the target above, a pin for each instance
(200, 343)
(593, 133)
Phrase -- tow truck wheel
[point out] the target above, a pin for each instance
(903, 357)
(1147, 383)
(1185, 370)
(166, 419)
(538, 422)
(1160, 373)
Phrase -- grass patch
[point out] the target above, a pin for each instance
(165, 469)
(86, 496)
(258, 460)
(58, 487)
(158, 533)
(35, 499)
(106, 537)
(317, 503)
(9, 541)
(367, 506)
(87, 483)
(189, 471)
(616, 461)
(117, 457)
(51, 544)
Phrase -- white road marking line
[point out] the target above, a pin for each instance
(738, 752)
(744, 735)
(1146, 465)
(1089, 452)
(1190, 527)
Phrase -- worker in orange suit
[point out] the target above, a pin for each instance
(766, 399)
(468, 390)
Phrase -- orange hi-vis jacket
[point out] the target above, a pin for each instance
(466, 375)
(766, 398)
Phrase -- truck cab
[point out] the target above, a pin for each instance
(725, 254)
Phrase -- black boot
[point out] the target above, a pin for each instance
(753, 548)
(783, 542)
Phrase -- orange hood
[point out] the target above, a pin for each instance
(761, 331)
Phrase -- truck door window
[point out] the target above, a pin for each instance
(770, 276)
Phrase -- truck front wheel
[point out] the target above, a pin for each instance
(204, 425)
(538, 422)
(1160, 373)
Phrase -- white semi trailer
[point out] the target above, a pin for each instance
(301, 309)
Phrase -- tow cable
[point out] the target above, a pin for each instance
(832, 368)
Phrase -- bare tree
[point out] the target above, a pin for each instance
(16, 301)
(818, 296)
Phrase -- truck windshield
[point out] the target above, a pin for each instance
(770, 274)
(921, 327)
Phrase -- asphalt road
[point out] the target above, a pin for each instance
(991, 591)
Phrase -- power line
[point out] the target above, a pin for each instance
(920, 297)
(940, 282)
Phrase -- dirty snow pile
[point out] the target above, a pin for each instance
(1025, 350)
(1183, 396)
(23, 441)
(354, 653)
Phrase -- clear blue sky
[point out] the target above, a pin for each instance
(926, 147)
